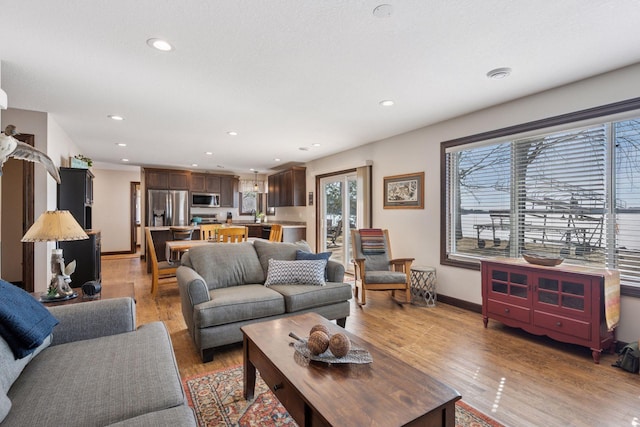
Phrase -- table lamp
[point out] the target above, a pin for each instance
(57, 226)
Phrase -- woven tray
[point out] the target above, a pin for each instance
(355, 355)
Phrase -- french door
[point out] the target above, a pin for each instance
(343, 206)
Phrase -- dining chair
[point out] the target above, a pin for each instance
(375, 268)
(181, 233)
(233, 234)
(275, 235)
(209, 231)
(159, 269)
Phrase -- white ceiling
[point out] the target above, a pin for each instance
(287, 74)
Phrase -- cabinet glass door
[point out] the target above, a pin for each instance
(509, 284)
(561, 293)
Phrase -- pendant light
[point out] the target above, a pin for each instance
(256, 189)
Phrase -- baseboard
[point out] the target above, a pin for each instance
(116, 253)
(477, 308)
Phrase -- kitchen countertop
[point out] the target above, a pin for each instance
(285, 224)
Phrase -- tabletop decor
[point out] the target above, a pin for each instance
(404, 191)
(545, 260)
(57, 226)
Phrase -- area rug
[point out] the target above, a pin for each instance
(217, 401)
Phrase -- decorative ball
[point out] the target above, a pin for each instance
(322, 328)
(318, 342)
(339, 344)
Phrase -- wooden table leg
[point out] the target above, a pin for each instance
(249, 371)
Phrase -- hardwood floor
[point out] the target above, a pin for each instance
(517, 378)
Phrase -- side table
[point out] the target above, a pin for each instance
(423, 286)
(111, 290)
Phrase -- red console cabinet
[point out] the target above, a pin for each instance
(565, 302)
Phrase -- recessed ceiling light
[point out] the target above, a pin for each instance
(115, 117)
(251, 169)
(121, 144)
(125, 160)
(208, 153)
(315, 145)
(383, 11)
(387, 103)
(195, 165)
(276, 159)
(499, 73)
(232, 133)
(160, 44)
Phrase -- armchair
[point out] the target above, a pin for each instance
(375, 268)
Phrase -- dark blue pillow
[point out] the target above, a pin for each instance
(24, 322)
(302, 255)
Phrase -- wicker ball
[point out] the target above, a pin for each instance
(322, 328)
(339, 344)
(318, 342)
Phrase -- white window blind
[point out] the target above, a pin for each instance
(627, 200)
(573, 193)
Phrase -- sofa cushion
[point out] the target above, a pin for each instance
(310, 255)
(303, 297)
(112, 378)
(386, 277)
(24, 322)
(305, 272)
(267, 250)
(225, 264)
(10, 369)
(178, 416)
(235, 304)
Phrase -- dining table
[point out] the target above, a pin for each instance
(181, 246)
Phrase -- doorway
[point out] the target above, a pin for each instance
(16, 218)
(344, 204)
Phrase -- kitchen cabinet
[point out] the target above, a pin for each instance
(228, 191)
(565, 303)
(162, 179)
(288, 188)
(206, 183)
(75, 194)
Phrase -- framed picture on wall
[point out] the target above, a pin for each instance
(404, 191)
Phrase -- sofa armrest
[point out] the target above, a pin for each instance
(193, 288)
(335, 271)
(93, 319)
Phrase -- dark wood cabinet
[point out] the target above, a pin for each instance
(75, 194)
(206, 183)
(228, 190)
(288, 188)
(565, 303)
(86, 253)
(161, 179)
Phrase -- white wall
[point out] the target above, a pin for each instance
(416, 233)
(111, 212)
(51, 139)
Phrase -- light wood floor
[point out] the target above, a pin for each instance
(517, 378)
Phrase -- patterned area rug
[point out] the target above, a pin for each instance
(217, 401)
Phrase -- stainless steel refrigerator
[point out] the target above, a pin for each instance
(167, 207)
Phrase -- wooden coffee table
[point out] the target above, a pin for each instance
(386, 392)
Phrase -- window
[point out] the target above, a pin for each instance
(571, 193)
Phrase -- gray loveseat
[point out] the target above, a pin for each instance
(95, 369)
(222, 288)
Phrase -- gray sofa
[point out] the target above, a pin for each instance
(222, 288)
(95, 369)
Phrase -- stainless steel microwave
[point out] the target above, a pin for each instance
(205, 200)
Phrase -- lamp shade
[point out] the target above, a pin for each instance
(55, 226)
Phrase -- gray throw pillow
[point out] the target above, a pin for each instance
(303, 272)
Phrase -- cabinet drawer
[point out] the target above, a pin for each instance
(563, 325)
(284, 391)
(508, 311)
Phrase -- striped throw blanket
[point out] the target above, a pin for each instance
(372, 241)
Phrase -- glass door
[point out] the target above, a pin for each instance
(338, 215)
